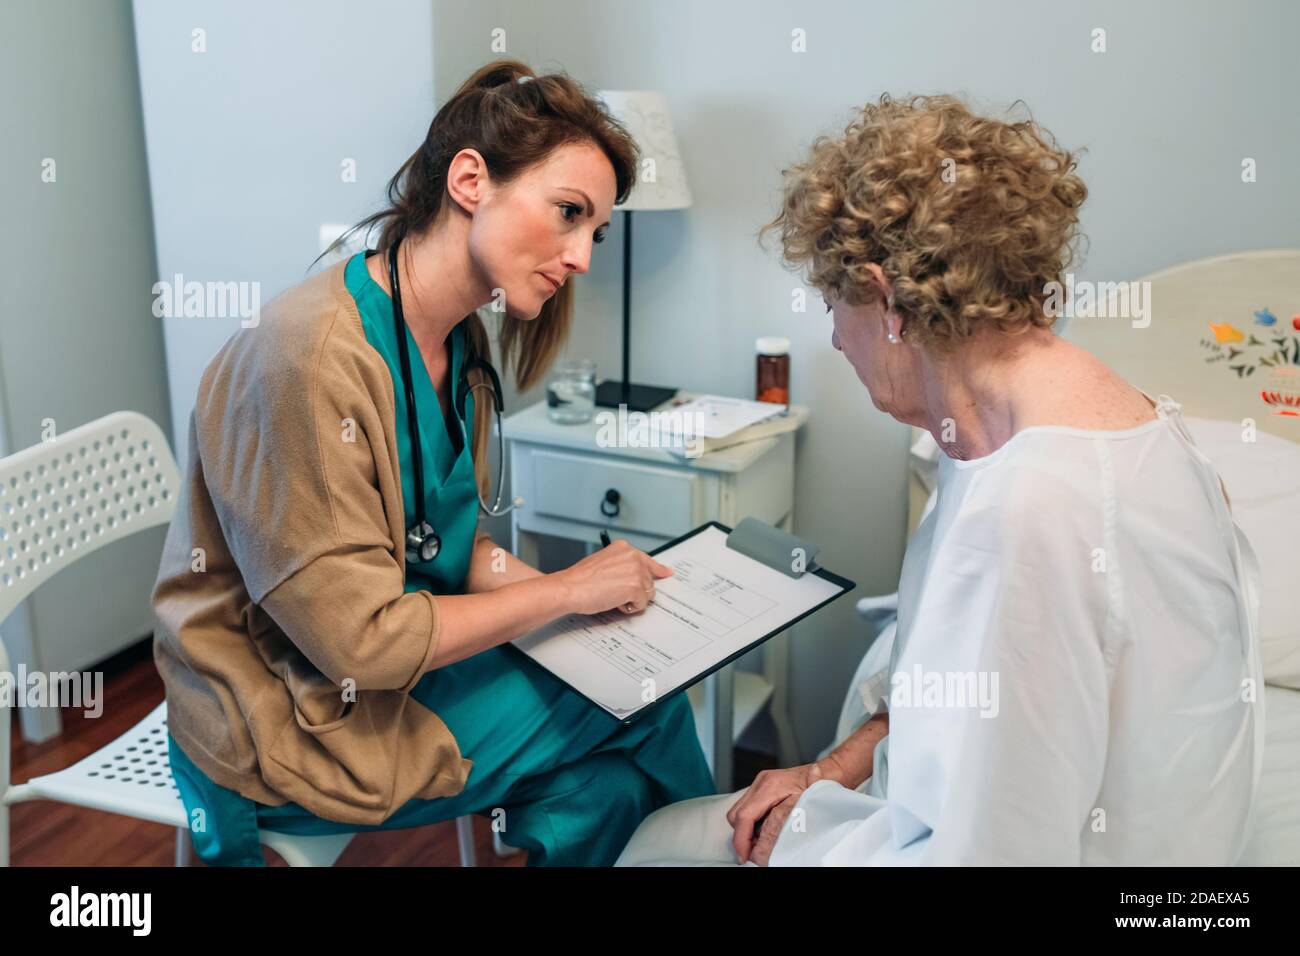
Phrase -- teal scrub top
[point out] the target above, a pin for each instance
(229, 819)
(450, 494)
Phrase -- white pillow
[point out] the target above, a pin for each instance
(1263, 482)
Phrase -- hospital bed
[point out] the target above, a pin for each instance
(1223, 340)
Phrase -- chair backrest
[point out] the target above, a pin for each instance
(67, 497)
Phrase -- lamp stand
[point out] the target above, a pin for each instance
(612, 394)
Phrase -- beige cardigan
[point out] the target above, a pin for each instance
(292, 493)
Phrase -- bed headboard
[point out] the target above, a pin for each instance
(1221, 336)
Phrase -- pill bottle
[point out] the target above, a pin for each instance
(773, 370)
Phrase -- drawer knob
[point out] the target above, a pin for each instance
(609, 507)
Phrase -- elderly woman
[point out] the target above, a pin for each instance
(1080, 566)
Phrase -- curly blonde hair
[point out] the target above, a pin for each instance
(969, 218)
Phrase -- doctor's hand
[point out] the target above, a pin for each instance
(618, 576)
(767, 803)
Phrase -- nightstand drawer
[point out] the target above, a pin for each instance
(649, 499)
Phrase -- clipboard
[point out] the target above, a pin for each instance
(758, 541)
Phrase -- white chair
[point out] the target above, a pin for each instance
(59, 501)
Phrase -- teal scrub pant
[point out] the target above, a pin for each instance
(559, 776)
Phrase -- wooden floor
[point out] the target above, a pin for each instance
(53, 834)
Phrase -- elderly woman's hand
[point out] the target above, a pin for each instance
(768, 801)
(765, 842)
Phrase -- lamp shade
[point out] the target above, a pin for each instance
(661, 177)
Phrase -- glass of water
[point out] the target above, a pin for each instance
(571, 392)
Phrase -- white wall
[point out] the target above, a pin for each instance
(77, 339)
(246, 141)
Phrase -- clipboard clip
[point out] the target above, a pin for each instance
(774, 547)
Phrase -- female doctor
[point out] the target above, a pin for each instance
(1074, 676)
(336, 664)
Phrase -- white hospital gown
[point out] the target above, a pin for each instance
(1096, 585)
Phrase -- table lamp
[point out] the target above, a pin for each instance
(660, 184)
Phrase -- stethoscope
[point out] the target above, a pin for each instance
(422, 542)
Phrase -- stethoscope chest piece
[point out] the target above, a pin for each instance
(422, 543)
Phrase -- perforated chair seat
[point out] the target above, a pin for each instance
(130, 776)
(61, 500)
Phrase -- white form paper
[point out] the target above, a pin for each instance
(717, 602)
(716, 416)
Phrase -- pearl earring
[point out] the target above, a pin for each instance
(893, 337)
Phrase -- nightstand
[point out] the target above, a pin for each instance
(573, 486)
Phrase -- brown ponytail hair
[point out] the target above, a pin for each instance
(515, 119)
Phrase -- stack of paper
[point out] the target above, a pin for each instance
(709, 422)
